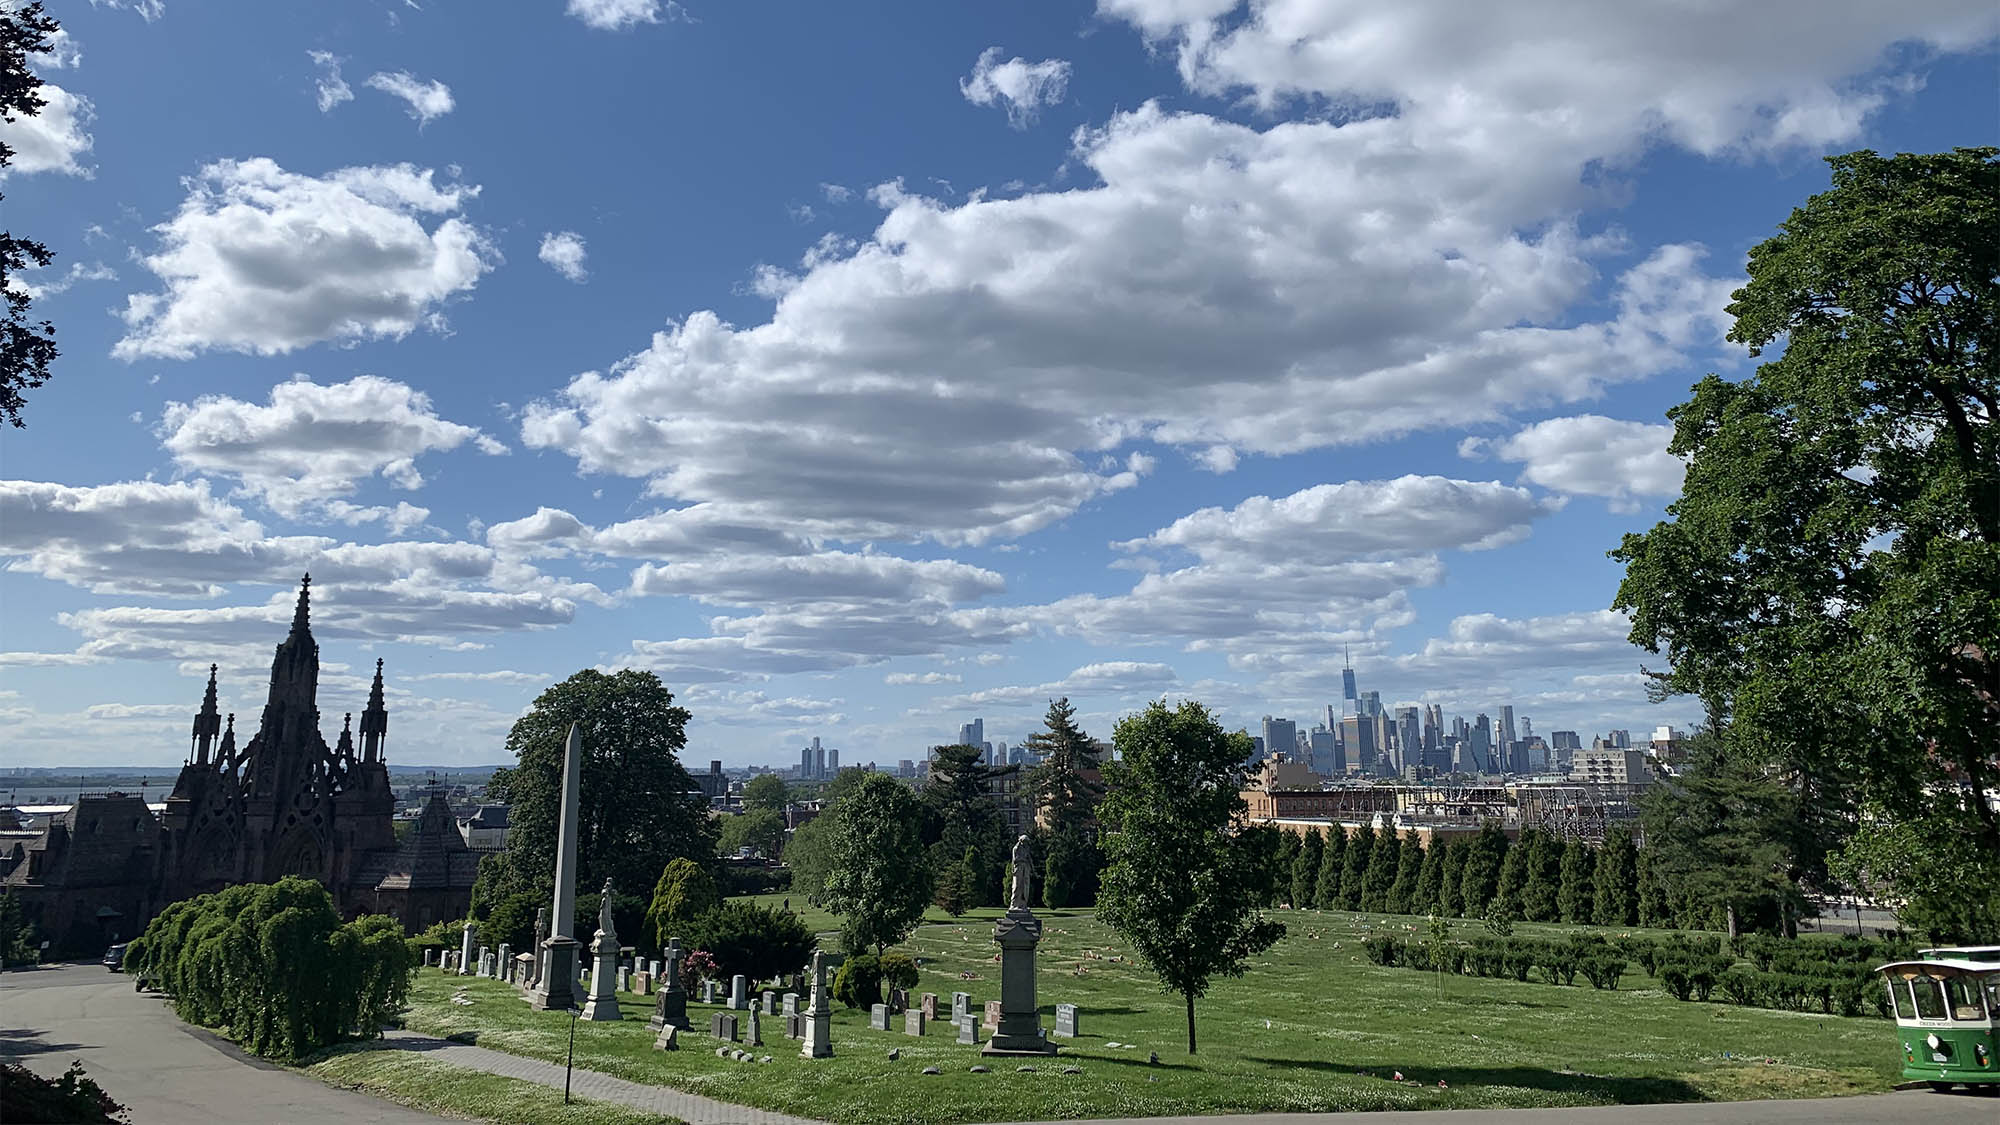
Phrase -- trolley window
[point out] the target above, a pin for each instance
(1899, 993)
(1962, 994)
(1929, 996)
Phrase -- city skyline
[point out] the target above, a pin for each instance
(857, 384)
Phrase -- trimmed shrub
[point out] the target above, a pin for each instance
(1603, 969)
(73, 1098)
(1382, 949)
(1739, 985)
(1674, 978)
(760, 942)
(858, 983)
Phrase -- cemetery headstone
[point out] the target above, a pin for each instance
(669, 1040)
(913, 1021)
(790, 1005)
(961, 1003)
(671, 1009)
(878, 1017)
(624, 979)
(795, 1026)
(927, 1003)
(722, 1025)
(708, 992)
(968, 1031)
(770, 1002)
(739, 996)
(1065, 1021)
(602, 1002)
(1016, 1018)
(756, 1028)
(991, 1018)
(642, 984)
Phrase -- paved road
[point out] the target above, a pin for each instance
(1909, 1108)
(168, 1074)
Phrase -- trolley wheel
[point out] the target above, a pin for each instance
(1941, 1087)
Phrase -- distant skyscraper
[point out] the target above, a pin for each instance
(1527, 728)
(1409, 739)
(1324, 753)
(1479, 750)
(1506, 724)
(1370, 704)
(819, 760)
(1347, 695)
(973, 733)
(1622, 739)
(806, 764)
(1281, 735)
(833, 763)
(1357, 735)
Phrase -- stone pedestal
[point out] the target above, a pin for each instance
(818, 1017)
(671, 1009)
(602, 1003)
(1020, 1029)
(465, 962)
(555, 986)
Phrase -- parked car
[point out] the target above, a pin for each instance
(114, 958)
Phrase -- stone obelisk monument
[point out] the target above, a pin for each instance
(603, 1001)
(556, 988)
(1018, 932)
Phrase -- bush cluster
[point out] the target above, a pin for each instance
(859, 982)
(1600, 962)
(273, 965)
(27, 1096)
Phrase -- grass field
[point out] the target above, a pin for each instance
(452, 1091)
(1313, 1026)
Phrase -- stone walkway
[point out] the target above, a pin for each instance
(692, 1108)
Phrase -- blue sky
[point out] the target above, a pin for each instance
(866, 371)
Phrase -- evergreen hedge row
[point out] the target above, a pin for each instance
(1830, 977)
(273, 966)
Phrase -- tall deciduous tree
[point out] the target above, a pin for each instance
(878, 877)
(1828, 582)
(26, 348)
(636, 809)
(761, 829)
(1180, 885)
(1065, 790)
(766, 791)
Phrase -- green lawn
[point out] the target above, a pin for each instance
(1312, 1027)
(442, 1088)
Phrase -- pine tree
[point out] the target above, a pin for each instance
(1409, 869)
(1381, 874)
(1614, 885)
(1289, 848)
(1514, 871)
(1544, 879)
(1305, 869)
(1326, 886)
(1430, 884)
(1483, 862)
(1574, 898)
(1451, 891)
(1354, 868)
(1653, 909)
(1066, 795)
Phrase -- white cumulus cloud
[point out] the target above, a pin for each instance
(427, 101)
(1591, 455)
(563, 252)
(266, 261)
(617, 15)
(1020, 87)
(53, 138)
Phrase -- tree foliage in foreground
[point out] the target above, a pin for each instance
(1181, 886)
(26, 348)
(73, 1099)
(1828, 583)
(878, 875)
(273, 964)
(759, 942)
(685, 891)
(637, 809)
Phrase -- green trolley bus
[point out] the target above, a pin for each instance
(1946, 1010)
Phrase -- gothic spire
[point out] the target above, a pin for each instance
(207, 723)
(345, 750)
(302, 614)
(227, 753)
(374, 720)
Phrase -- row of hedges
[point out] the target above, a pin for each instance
(273, 966)
(1836, 978)
(1553, 962)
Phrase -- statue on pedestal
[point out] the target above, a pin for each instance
(1019, 932)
